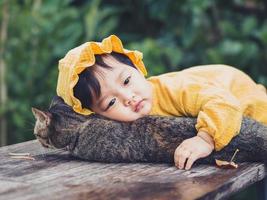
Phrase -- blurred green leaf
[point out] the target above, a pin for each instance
(249, 25)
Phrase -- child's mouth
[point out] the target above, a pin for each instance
(139, 105)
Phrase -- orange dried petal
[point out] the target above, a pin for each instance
(226, 165)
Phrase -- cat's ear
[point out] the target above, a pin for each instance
(42, 116)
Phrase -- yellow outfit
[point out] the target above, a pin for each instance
(217, 95)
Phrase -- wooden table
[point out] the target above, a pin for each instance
(54, 174)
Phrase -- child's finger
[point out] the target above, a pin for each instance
(193, 157)
(183, 157)
(176, 155)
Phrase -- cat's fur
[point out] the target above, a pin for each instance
(149, 139)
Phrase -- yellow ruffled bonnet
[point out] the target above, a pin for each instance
(83, 56)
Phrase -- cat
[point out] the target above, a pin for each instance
(148, 139)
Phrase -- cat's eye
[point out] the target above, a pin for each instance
(110, 104)
(127, 80)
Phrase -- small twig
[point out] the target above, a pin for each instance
(237, 150)
(23, 157)
(19, 154)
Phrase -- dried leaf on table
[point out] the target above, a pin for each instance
(227, 165)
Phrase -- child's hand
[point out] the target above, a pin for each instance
(191, 150)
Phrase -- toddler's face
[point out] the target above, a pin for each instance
(125, 93)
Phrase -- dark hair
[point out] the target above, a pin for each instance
(88, 85)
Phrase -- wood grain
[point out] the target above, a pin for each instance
(55, 174)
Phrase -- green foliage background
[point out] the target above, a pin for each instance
(172, 35)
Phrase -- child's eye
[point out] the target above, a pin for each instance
(111, 103)
(127, 80)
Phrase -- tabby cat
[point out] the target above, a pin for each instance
(149, 139)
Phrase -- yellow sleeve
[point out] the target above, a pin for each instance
(218, 112)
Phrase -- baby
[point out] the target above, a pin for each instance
(109, 80)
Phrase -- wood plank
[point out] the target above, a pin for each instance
(57, 175)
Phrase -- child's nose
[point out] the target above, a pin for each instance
(130, 100)
(127, 96)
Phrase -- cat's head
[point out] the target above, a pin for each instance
(42, 128)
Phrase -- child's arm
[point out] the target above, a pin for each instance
(192, 149)
(205, 136)
(218, 111)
